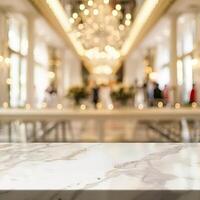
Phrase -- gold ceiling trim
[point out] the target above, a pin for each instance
(59, 25)
(149, 14)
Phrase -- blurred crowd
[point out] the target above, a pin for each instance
(149, 94)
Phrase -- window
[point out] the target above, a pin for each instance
(185, 49)
(186, 34)
(41, 69)
(18, 46)
(162, 62)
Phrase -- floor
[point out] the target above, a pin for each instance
(92, 131)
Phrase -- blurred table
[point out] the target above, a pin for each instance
(66, 116)
(122, 114)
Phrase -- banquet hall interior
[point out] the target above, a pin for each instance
(99, 99)
(99, 71)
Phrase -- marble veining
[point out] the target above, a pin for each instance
(87, 166)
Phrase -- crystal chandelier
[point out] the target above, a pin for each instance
(101, 29)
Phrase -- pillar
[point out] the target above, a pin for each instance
(174, 94)
(196, 67)
(30, 62)
(4, 68)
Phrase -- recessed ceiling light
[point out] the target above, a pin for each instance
(75, 15)
(90, 3)
(128, 16)
(71, 20)
(82, 7)
(106, 1)
(96, 12)
(127, 22)
(118, 7)
(86, 12)
(114, 13)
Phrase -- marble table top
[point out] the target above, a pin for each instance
(95, 166)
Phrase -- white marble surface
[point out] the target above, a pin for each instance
(75, 166)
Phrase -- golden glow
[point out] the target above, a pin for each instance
(51, 75)
(82, 7)
(121, 27)
(106, 1)
(80, 26)
(64, 22)
(99, 106)
(110, 107)
(90, 3)
(59, 13)
(127, 22)
(140, 106)
(148, 70)
(8, 81)
(118, 7)
(194, 105)
(69, 24)
(86, 12)
(160, 104)
(83, 107)
(153, 76)
(103, 69)
(114, 13)
(128, 16)
(5, 105)
(71, 20)
(59, 106)
(1, 58)
(145, 11)
(96, 12)
(177, 105)
(75, 15)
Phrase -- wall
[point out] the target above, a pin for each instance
(134, 69)
(71, 70)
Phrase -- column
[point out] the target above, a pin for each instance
(4, 68)
(30, 62)
(174, 95)
(196, 67)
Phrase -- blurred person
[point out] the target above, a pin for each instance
(193, 94)
(95, 95)
(157, 94)
(51, 95)
(150, 93)
(145, 93)
(166, 94)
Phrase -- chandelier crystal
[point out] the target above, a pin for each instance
(101, 28)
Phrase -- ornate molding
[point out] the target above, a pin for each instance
(144, 22)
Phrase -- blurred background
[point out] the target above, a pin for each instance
(99, 70)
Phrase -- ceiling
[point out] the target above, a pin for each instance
(100, 27)
(24, 7)
(103, 32)
(111, 39)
